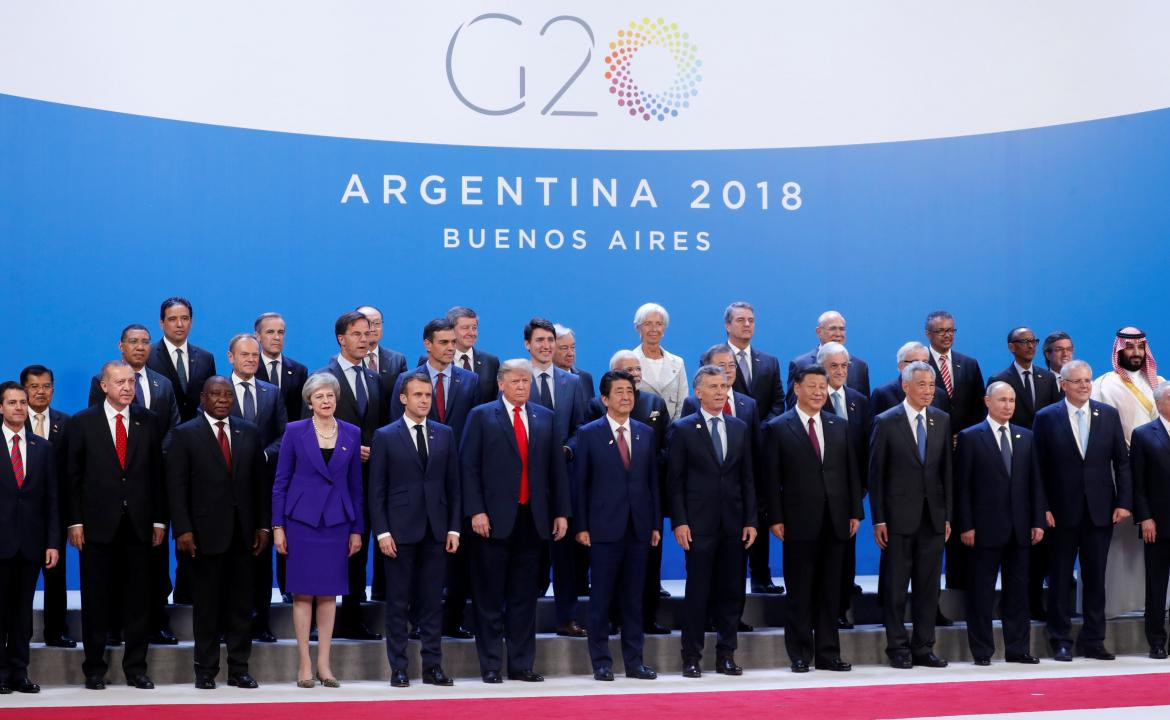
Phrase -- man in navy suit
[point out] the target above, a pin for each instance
(1085, 465)
(387, 363)
(360, 403)
(891, 394)
(415, 514)
(469, 357)
(1058, 349)
(286, 374)
(259, 403)
(830, 328)
(617, 513)
(565, 357)
(910, 497)
(814, 490)
(560, 392)
(516, 492)
(759, 372)
(999, 515)
(1149, 457)
(30, 533)
(712, 488)
(1035, 388)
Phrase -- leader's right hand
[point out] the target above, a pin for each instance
(77, 537)
(279, 541)
(185, 543)
(682, 533)
(480, 524)
(881, 535)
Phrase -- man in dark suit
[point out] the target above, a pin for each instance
(1034, 388)
(891, 394)
(49, 423)
(910, 503)
(814, 494)
(999, 515)
(830, 328)
(415, 514)
(116, 510)
(852, 406)
(469, 357)
(260, 404)
(1149, 457)
(1058, 349)
(361, 403)
(458, 390)
(1085, 465)
(516, 493)
(221, 509)
(277, 368)
(759, 372)
(565, 357)
(712, 488)
(618, 516)
(387, 363)
(30, 533)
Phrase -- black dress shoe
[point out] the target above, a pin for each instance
(113, 639)
(655, 629)
(941, 620)
(244, 681)
(901, 662)
(286, 598)
(142, 682)
(163, 637)
(24, 685)
(930, 660)
(1062, 654)
(835, 665)
(435, 676)
(398, 678)
(1024, 659)
(1098, 653)
(744, 627)
(844, 624)
(799, 666)
(413, 634)
(525, 676)
(492, 677)
(614, 629)
(357, 631)
(312, 634)
(726, 666)
(641, 672)
(204, 683)
(61, 641)
(767, 588)
(982, 661)
(603, 674)
(571, 629)
(5, 690)
(1157, 653)
(663, 592)
(691, 669)
(458, 632)
(95, 683)
(264, 636)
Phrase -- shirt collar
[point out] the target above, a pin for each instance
(804, 417)
(411, 423)
(1073, 408)
(910, 411)
(1020, 370)
(446, 369)
(9, 434)
(236, 380)
(537, 370)
(614, 424)
(111, 412)
(344, 362)
(268, 360)
(226, 421)
(996, 426)
(736, 350)
(708, 416)
(510, 407)
(171, 347)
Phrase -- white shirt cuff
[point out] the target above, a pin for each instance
(73, 526)
(161, 525)
(453, 532)
(379, 538)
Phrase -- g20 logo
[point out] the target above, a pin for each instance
(621, 69)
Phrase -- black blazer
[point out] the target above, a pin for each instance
(607, 496)
(998, 506)
(801, 485)
(1043, 382)
(58, 424)
(405, 497)
(966, 407)
(460, 398)
(206, 496)
(391, 364)
(29, 515)
(292, 381)
(710, 497)
(1101, 479)
(858, 377)
(586, 382)
(860, 425)
(649, 409)
(891, 394)
(163, 402)
(99, 489)
(200, 366)
(899, 482)
(1149, 457)
(347, 407)
(485, 366)
(767, 389)
(271, 418)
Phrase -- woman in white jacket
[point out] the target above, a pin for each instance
(663, 373)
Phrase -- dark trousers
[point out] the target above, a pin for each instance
(619, 570)
(812, 577)
(414, 581)
(758, 556)
(221, 586)
(18, 583)
(958, 561)
(715, 579)
(1091, 543)
(848, 576)
(1157, 556)
(504, 581)
(262, 590)
(568, 559)
(1041, 554)
(458, 581)
(160, 582)
(126, 558)
(55, 597)
(914, 560)
(350, 614)
(1011, 562)
(650, 585)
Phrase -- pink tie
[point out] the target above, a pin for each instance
(623, 448)
(17, 462)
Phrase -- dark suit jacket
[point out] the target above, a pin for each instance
(405, 497)
(966, 407)
(801, 485)
(207, 497)
(163, 402)
(891, 394)
(858, 377)
(311, 492)
(271, 418)
(462, 395)
(586, 383)
(607, 496)
(99, 489)
(746, 410)
(1101, 478)
(391, 364)
(1149, 457)
(292, 381)
(899, 482)
(998, 506)
(860, 425)
(767, 388)
(29, 515)
(490, 468)
(377, 409)
(485, 366)
(710, 497)
(649, 409)
(200, 366)
(1043, 382)
(569, 400)
(58, 427)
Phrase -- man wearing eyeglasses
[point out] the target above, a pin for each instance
(1035, 388)
(958, 377)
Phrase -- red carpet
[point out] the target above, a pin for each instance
(847, 703)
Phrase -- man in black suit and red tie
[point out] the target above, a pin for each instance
(221, 509)
(116, 510)
(1149, 457)
(30, 533)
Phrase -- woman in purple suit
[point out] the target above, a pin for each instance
(317, 518)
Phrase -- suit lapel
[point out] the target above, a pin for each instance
(701, 424)
(903, 423)
(798, 429)
(992, 443)
(313, 450)
(506, 424)
(346, 392)
(210, 439)
(404, 435)
(133, 435)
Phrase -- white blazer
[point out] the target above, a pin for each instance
(672, 387)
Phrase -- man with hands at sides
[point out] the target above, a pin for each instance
(1149, 457)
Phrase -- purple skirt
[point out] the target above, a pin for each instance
(317, 559)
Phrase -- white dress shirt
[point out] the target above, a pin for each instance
(238, 386)
(469, 354)
(614, 425)
(552, 381)
(1072, 418)
(350, 375)
(722, 425)
(818, 428)
(995, 432)
(46, 423)
(511, 415)
(171, 348)
(267, 363)
(227, 427)
(8, 435)
(912, 415)
(145, 383)
(949, 363)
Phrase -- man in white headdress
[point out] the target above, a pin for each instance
(1129, 387)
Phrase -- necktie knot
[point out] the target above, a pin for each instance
(15, 441)
(220, 425)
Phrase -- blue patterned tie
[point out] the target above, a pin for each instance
(249, 403)
(139, 397)
(359, 384)
(921, 440)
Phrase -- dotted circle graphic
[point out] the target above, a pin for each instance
(623, 86)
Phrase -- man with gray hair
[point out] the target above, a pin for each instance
(891, 394)
(1149, 455)
(830, 328)
(565, 357)
(759, 372)
(276, 368)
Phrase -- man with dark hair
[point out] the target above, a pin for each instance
(758, 372)
(1149, 458)
(387, 363)
(958, 377)
(277, 368)
(1034, 388)
(1058, 349)
(184, 364)
(468, 356)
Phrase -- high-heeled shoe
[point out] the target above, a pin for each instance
(330, 682)
(310, 683)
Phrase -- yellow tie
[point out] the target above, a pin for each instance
(39, 426)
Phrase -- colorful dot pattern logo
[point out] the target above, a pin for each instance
(637, 101)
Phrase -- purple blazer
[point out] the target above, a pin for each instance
(311, 492)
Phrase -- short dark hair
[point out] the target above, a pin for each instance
(802, 373)
(434, 326)
(133, 326)
(459, 311)
(937, 315)
(345, 320)
(12, 385)
(413, 376)
(176, 300)
(608, 379)
(1055, 337)
(35, 370)
(1015, 330)
(538, 323)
